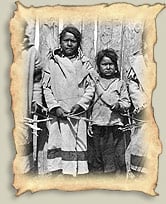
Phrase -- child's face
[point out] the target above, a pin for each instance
(69, 44)
(107, 67)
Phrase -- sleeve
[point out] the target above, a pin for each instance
(88, 94)
(124, 100)
(137, 95)
(47, 89)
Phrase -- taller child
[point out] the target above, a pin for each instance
(67, 90)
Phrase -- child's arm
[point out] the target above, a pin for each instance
(124, 100)
(88, 94)
(48, 94)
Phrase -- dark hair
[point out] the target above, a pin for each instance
(110, 53)
(74, 31)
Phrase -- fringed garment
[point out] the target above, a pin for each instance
(65, 84)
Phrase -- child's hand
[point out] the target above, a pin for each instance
(59, 112)
(76, 109)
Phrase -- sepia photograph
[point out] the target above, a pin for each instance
(81, 84)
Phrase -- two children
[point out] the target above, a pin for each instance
(109, 103)
(111, 100)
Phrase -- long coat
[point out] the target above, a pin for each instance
(136, 153)
(65, 83)
(30, 91)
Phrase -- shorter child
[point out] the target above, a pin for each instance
(111, 99)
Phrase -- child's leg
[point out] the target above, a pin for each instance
(120, 148)
(108, 151)
(97, 164)
(90, 153)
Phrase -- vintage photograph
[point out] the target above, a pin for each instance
(81, 85)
